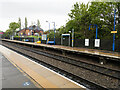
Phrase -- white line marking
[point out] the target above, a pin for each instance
(55, 72)
(50, 70)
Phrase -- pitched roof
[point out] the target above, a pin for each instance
(36, 28)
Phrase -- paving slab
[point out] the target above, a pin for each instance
(12, 77)
(42, 75)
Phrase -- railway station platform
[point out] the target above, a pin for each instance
(86, 50)
(11, 76)
(20, 72)
(94, 52)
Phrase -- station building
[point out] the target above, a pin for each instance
(31, 30)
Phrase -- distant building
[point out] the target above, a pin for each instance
(1, 33)
(31, 30)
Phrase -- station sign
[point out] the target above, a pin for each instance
(97, 42)
(86, 42)
(113, 31)
(28, 33)
(44, 37)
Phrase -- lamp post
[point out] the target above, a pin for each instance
(72, 37)
(114, 30)
(49, 26)
(54, 32)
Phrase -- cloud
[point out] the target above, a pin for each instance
(28, 8)
(51, 10)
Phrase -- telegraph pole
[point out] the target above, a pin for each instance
(72, 37)
(114, 30)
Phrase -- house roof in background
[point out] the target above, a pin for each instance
(36, 28)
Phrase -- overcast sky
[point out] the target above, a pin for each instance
(50, 10)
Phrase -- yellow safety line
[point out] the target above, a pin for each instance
(41, 83)
(33, 81)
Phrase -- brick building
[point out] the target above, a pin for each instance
(31, 30)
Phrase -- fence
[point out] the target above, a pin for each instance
(30, 39)
(105, 44)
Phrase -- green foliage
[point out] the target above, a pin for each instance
(13, 26)
(38, 23)
(12, 29)
(105, 11)
(51, 34)
(79, 20)
(7, 33)
(100, 13)
(25, 22)
(19, 22)
(58, 32)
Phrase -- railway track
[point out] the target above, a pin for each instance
(88, 66)
(101, 72)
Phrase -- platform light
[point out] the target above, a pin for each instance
(69, 31)
(54, 32)
(49, 25)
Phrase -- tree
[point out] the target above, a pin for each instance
(105, 11)
(13, 26)
(38, 23)
(79, 20)
(117, 4)
(12, 29)
(25, 23)
(7, 34)
(100, 13)
(19, 22)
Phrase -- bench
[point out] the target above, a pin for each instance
(27, 40)
(50, 42)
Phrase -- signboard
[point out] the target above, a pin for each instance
(86, 42)
(44, 37)
(12, 37)
(97, 42)
(65, 34)
(28, 34)
(36, 34)
(113, 31)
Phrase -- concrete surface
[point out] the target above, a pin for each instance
(12, 77)
(45, 77)
(75, 49)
